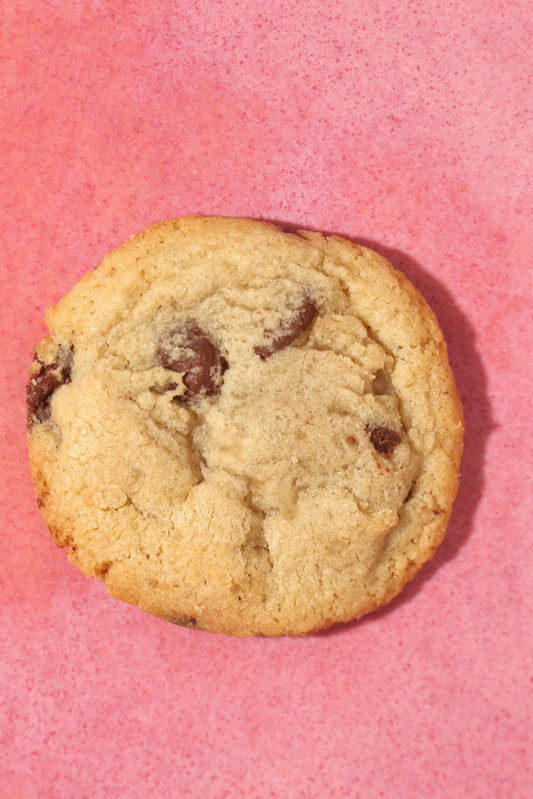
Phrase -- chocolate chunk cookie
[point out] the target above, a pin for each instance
(245, 430)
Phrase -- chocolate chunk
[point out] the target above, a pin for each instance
(190, 351)
(289, 329)
(41, 387)
(383, 438)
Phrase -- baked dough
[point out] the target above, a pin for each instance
(245, 430)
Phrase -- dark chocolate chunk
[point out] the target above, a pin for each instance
(383, 438)
(41, 387)
(301, 318)
(190, 351)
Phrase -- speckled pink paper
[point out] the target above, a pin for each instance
(407, 126)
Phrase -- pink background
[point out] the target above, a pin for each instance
(405, 125)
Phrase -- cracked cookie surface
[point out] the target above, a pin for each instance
(245, 430)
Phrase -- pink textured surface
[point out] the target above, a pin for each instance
(406, 125)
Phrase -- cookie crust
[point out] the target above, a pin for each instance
(245, 430)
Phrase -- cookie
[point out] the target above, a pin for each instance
(245, 430)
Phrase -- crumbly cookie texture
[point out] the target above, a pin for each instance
(245, 430)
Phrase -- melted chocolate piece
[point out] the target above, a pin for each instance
(289, 329)
(190, 351)
(383, 438)
(41, 387)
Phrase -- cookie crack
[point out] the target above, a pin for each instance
(257, 538)
(193, 455)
